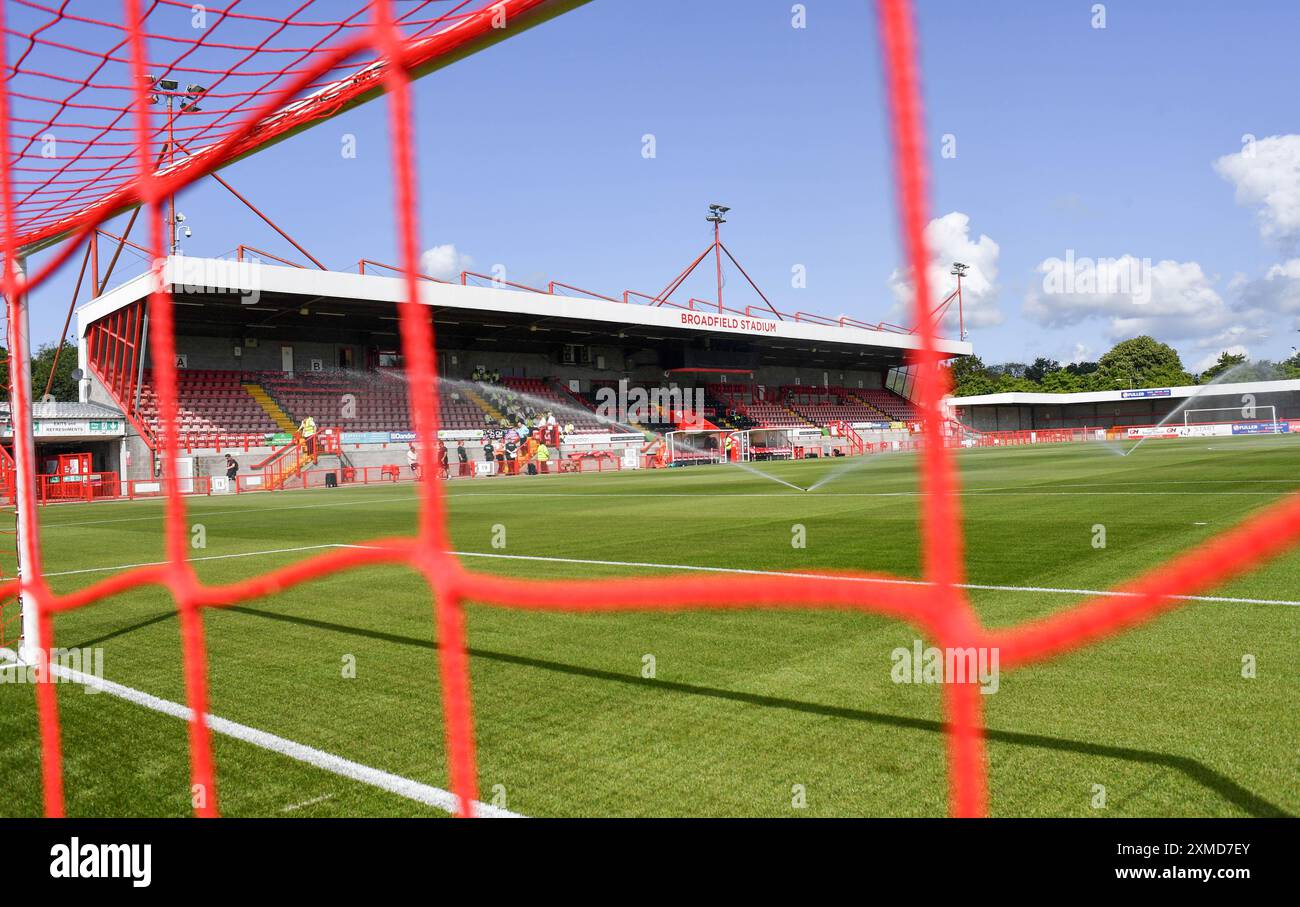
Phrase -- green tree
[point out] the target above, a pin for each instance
(1041, 368)
(1007, 383)
(1064, 381)
(1141, 362)
(1261, 370)
(1226, 361)
(971, 377)
(1290, 368)
(1008, 369)
(64, 387)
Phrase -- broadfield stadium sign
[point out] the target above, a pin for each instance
(728, 323)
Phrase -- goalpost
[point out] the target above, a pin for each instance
(701, 446)
(1239, 415)
(20, 474)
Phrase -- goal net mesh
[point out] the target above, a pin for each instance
(258, 92)
(700, 447)
(1265, 415)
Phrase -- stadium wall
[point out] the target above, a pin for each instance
(1111, 413)
(639, 366)
(219, 353)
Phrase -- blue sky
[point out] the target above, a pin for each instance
(1069, 139)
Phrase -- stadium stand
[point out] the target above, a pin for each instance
(889, 403)
(730, 394)
(378, 399)
(222, 404)
(773, 415)
(211, 404)
(793, 405)
(656, 422)
(521, 395)
(374, 404)
(216, 403)
(822, 406)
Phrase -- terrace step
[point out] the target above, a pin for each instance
(272, 409)
(883, 415)
(482, 404)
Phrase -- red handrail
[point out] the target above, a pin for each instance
(555, 283)
(241, 249)
(497, 282)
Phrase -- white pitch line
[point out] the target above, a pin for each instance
(970, 493)
(1111, 593)
(299, 752)
(210, 557)
(305, 803)
(1159, 482)
(198, 511)
(1050, 590)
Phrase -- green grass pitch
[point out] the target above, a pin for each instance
(743, 706)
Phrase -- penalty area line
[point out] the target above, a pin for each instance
(190, 560)
(1110, 593)
(408, 788)
(649, 565)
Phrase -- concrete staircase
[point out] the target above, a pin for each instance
(481, 403)
(278, 416)
(787, 408)
(884, 416)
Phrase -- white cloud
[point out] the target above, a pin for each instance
(1168, 299)
(1278, 291)
(948, 239)
(1178, 302)
(444, 262)
(1212, 357)
(1182, 306)
(1240, 339)
(1080, 352)
(1266, 172)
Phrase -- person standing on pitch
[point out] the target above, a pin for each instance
(413, 458)
(444, 467)
(462, 456)
(511, 449)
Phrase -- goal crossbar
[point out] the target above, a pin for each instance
(697, 446)
(1243, 414)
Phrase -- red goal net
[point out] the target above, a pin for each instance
(76, 74)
